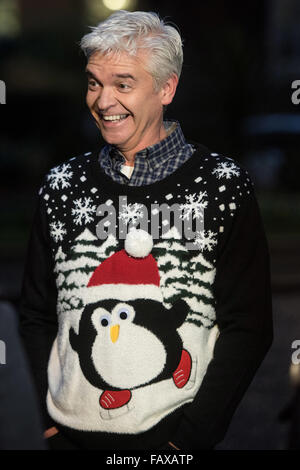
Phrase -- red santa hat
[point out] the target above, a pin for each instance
(128, 274)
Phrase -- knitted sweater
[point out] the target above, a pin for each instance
(139, 337)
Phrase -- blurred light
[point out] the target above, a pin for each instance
(9, 18)
(99, 10)
(116, 4)
(277, 123)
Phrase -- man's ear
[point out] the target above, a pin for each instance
(169, 89)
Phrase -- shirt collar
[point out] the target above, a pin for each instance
(152, 156)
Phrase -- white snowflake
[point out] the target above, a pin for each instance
(57, 231)
(205, 240)
(83, 211)
(59, 176)
(226, 169)
(194, 206)
(131, 213)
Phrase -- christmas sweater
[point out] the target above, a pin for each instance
(146, 311)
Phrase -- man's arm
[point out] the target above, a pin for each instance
(38, 306)
(244, 317)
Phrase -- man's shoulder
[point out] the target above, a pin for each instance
(220, 166)
(70, 172)
(224, 177)
(72, 162)
(73, 166)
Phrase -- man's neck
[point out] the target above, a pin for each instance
(130, 155)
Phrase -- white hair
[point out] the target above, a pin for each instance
(129, 32)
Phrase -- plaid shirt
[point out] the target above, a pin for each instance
(151, 164)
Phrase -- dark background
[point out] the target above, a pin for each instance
(234, 97)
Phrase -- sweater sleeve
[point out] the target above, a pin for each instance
(244, 317)
(38, 321)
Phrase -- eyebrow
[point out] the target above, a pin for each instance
(117, 75)
(124, 75)
(88, 72)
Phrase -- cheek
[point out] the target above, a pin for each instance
(90, 100)
(151, 106)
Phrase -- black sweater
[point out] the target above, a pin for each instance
(145, 345)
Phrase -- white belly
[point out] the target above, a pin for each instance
(137, 357)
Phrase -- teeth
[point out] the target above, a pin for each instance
(116, 117)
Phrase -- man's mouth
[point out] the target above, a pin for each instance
(114, 117)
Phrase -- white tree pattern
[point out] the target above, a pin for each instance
(73, 272)
(226, 170)
(194, 206)
(186, 276)
(59, 176)
(83, 211)
(205, 240)
(57, 231)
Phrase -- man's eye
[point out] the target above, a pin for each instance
(92, 83)
(124, 86)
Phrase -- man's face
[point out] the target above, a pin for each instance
(123, 101)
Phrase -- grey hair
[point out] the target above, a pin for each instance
(129, 32)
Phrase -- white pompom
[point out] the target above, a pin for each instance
(138, 243)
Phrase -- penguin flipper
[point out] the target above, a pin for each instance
(73, 337)
(179, 311)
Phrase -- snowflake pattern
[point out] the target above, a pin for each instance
(226, 170)
(205, 240)
(194, 206)
(83, 211)
(131, 213)
(57, 231)
(59, 176)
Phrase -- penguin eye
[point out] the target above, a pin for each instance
(123, 313)
(105, 320)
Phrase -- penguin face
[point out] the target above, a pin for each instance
(108, 324)
(124, 353)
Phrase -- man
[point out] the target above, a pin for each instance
(146, 298)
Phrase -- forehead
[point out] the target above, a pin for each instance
(113, 62)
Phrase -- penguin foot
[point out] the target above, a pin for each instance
(108, 415)
(192, 379)
(111, 400)
(183, 371)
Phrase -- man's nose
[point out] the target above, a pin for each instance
(105, 99)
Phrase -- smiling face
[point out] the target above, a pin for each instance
(124, 103)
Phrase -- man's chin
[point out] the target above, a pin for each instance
(113, 139)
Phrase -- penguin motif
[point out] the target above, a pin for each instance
(127, 338)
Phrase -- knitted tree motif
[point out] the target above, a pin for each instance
(200, 297)
(170, 256)
(186, 277)
(73, 274)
